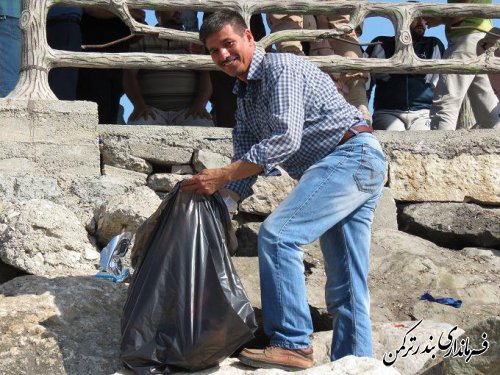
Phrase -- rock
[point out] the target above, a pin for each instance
(139, 179)
(182, 169)
(388, 338)
(247, 239)
(453, 225)
(386, 212)
(247, 269)
(485, 363)
(164, 182)
(269, 192)
(7, 272)
(403, 267)
(65, 325)
(159, 154)
(443, 166)
(43, 238)
(483, 256)
(127, 211)
(117, 154)
(203, 159)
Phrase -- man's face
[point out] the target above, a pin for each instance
(232, 52)
(417, 28)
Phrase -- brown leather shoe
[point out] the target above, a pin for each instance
(276, 357)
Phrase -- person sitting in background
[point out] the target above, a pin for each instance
(167, 97)
(403, 101)
(10, 45)
(63, 33)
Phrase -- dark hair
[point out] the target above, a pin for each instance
(218, 20)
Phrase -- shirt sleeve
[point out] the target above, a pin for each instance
(242, 142)
(286, 121)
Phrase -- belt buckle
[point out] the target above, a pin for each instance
(3, 17)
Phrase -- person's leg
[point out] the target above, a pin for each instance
(64, 35)
(10, 54)
(419, 120)
(483, 101)
(180, 119)
(280, 22)
(346, 250)
(388, 120)
(329, 192)
(452, 88)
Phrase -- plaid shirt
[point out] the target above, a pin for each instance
(11, 8)
(290, 114)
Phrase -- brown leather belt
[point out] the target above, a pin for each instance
(355, 130)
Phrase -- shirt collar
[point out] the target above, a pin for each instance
(254, 73)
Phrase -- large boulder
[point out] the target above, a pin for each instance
(71, 325)
(409, 346)
(43, 238)
(442, 166)
(453, 225)
(125, 212)
(403, 267)
(480, 355)
(66, 325)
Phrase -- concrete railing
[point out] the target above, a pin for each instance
(38, 57)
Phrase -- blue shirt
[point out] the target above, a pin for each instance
(11, 8)
(290, 114)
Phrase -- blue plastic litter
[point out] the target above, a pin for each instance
(110, 263)
(445, 301)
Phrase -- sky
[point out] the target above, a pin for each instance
(373, 27)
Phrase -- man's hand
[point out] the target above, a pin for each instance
(198, 112)
(144, 112)
(207, 182)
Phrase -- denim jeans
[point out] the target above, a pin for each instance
(334, 200)
(10, 54)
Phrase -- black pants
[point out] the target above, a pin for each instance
(104, 87)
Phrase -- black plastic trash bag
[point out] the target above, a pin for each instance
(186, 306)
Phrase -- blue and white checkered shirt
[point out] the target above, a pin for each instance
(289, 114)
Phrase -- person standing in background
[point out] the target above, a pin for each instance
(63, 33)
(10, 45)
(452, 88)
(104, 86)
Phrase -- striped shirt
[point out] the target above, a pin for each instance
(11, 8)
(289, 114)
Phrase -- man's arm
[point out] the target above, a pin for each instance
(202, 96)
(133, 91)
(436, 21)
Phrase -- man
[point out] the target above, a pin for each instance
(403, 101)
(290, 114)
(10, 45)
(452, 88)
(166, 97)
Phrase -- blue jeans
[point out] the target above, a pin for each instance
(334, 201)
(10, 54)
